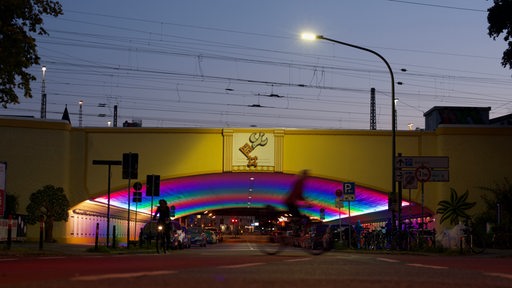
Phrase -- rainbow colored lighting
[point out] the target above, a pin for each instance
(199, 193)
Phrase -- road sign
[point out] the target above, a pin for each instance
(440, 176)
(137, 186)
(339, 202)
(137, 197)
(418, 161)
(423, 174)
(409, 180)
(349, 191)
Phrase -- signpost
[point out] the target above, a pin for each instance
(137, 198)
(130, 171)
(413, 169)
(347, 194)
(109, 163)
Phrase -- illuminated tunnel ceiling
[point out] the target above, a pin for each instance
(196, 194)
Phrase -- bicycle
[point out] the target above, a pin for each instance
(162, 238)
(300, 233)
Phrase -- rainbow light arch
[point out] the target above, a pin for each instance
(198, 193)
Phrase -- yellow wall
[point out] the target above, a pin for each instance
(53, 152)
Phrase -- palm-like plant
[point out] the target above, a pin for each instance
(455, 208)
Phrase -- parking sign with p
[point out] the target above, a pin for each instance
(349, 191)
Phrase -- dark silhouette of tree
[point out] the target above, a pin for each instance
(498, 212)
(499, 18)
(456, 208)
(50, 205)
(18, 49)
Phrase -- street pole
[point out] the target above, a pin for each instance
(109, 163)
(43, 94)
(393, 117)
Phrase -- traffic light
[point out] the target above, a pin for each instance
(234, 220)
(153, 185)
(130, 165)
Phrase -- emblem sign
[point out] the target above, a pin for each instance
(253, 150)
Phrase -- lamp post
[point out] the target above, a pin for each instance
(308, 36)
(43, 94)
(81, 103)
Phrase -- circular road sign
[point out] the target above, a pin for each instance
(137, 186)
(423, 174)
(339, 193)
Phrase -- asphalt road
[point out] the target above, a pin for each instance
(239, 264)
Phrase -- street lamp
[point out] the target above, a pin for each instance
(43, 94)
(81, 103)
(308, 36)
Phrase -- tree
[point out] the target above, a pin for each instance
(498, 201)
(499, 18)
(50, 205)
(456, 208)
(18, 49)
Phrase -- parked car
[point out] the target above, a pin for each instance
(197, 236)
(217, 232)
(211, 237)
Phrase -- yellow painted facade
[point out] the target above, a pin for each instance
(52, 152)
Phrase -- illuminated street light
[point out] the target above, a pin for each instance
(81, 103)
(309, 36)
(43, 94)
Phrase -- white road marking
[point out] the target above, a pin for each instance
(388, 260)
(508, 276)
(121, 275)
(427, 266)
(241, 265)
(298, 259)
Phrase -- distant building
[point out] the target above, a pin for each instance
(132, 123)
(456, 115)
(505, 120)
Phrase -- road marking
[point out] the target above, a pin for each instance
(241, 265)
(508, 276)
(427, 266)
(388, 260)
(8, 259)
(121, 275)
(52, 257)
(298, 259)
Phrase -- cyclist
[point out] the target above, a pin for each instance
(164, 219)
(296, 195)
(294, 199)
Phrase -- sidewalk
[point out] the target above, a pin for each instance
(49, 249)
(21, 249)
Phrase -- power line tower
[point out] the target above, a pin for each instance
(373, 114)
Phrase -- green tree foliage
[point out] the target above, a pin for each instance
(499, 18)
(18, 49)
(498, 201)
(456, 208)
(50, 205)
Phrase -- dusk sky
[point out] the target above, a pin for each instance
(233, 63)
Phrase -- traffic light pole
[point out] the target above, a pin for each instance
(109, 163)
